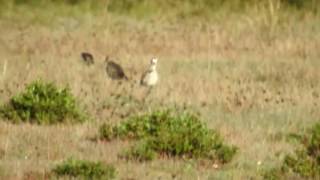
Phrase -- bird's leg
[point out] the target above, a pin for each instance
(147, 94)
(149, 91)
(119, 87)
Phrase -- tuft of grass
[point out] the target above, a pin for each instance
(106, 132)
(141, 151)
(85, 169)
(174, 133)
(273, 174)
(306, 161)
(43, 103)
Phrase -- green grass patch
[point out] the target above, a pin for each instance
(43, 103)
(141, 151)
(85, 169)
(172, 133)
(304, 163)
(306, 160)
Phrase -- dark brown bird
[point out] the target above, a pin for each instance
(87, 58)
(114, 70)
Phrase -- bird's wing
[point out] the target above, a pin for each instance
(144, 77)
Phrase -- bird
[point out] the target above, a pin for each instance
(114, 70)
(87, 58)
(150, 77)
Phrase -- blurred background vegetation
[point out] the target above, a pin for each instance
(168, 8)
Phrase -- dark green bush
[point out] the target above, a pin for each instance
(85, 169)
(175, 133)
(43, 103)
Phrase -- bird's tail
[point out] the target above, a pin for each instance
(126, 78)
(87, 58)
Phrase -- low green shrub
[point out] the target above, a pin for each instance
(170, 132)
(306, 160)
(85, 169)
(304, 163)
(43, 103)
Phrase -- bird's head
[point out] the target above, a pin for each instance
(154, 61)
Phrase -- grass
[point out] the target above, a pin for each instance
(186, 9)
(252, 75)
(304, 162)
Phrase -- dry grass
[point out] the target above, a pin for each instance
(253, 81)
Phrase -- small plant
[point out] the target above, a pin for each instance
(85, 169)
(273, 174)
(43, 103)
(140, 152)
(106, 132)
(306, 161)
(178, 133)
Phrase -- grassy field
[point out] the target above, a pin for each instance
(253, 75)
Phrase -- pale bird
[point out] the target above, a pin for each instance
(114, 70)
(150, 77)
